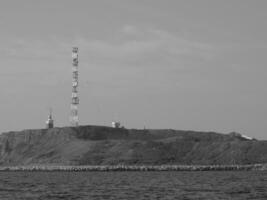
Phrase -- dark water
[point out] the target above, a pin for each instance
(134, 185)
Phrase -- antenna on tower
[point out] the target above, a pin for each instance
(74, 120)
(50, 112)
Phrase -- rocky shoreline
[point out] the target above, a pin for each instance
(249, 167)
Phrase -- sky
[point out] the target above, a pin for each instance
(178, 64)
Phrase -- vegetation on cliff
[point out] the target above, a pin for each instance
(98, 145)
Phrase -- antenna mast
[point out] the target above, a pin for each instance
(74, 120)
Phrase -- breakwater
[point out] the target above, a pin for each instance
(137, 168)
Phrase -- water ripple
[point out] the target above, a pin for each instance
(133, 185)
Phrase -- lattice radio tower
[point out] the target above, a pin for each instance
(74, 120)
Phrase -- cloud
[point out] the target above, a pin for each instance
(143, 46)
(22, 48)
(129, 29)
(132, 45)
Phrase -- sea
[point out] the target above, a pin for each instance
(134, 185)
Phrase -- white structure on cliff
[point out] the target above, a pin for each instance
(50, 121)
(115, 124)
(74, 120)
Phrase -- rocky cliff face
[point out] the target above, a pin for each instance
(96, 145)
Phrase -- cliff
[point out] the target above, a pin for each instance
(98, 145)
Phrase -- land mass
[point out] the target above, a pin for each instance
(99, 145)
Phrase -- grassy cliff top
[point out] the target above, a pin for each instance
(100, 145)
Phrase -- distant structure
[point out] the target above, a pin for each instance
(235, 134)
(74, 120)
(115, 124)
(50, 121)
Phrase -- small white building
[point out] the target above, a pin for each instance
(50, 121)
(115, 124)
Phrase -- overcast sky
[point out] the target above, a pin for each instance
(197, 65)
